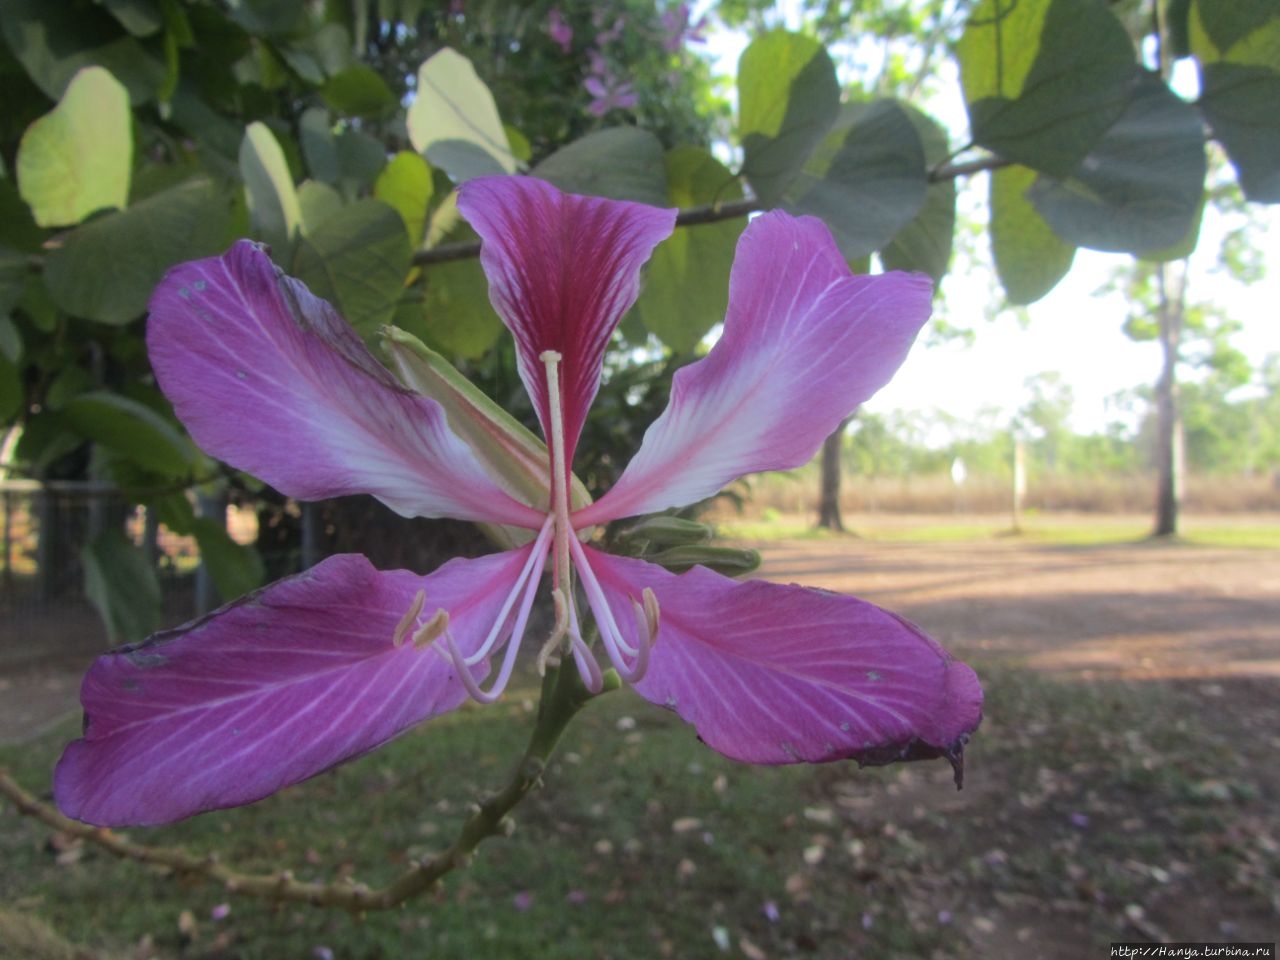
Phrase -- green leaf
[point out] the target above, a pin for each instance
(10, 340)
(122, 586)
(1030, 259)
(75, 160)
(788, 98)
(357, 260)
(457, 317)
(1043, 81)
(621, 163)
(358, 91)
(866, 179)
(406, 185)
(17, 230)
(106, 269)
(131, 430)
(317, 202)
(319, 148)
(141, 18)
(235, 568)
(1242, 31)
(1240, 105)
(925, 243)
(274, 213)
(686, 287)
(53, 41)
(360, 159)
(13, 279)
(453, 121)
(1139, 189)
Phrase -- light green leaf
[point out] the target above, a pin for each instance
(1030, 259)
(457, 316)
(235, 568)
(122, 586)
(788, 98)
(925, 243)
(1139, 189)
(75, 160)
(866, 179)
(454, 122)
(317, 202)
(686, 288)
(274, 213)
(621, 163)
(131, 430)
(357, 260)
(1044, 80)
(106, 269)
(406, 184)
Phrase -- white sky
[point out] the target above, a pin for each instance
(1070, 331)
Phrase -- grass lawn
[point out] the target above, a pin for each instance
(1085, 807)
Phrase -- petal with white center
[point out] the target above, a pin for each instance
(309, 672)
(805, 342)
(562, 271)
(269, 378)
(786, 674)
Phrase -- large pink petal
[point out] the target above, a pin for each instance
(562, 271)
(270, 379)
(805, 342)
(270, 690)
(785, 674)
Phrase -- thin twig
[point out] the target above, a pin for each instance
(562, 697)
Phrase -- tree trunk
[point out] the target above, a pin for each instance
(1169, 448)
(829, 496)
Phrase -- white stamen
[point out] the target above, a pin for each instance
(410, 615)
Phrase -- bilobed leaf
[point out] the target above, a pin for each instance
(106, 269)
(131, 430)
(788, 98)
(406, 185)
(1030, 258)
(122, 586)
(235, 568)
(457, 316)
(453, 106)
(317, 202)
(1043, 81)
(620, 163)
(357, 260)
(75, 160)
(925, 243)
(319, 149)
(866, 179)
(686, 288)
(274, 213)
(1238, 49)
(1140, 187)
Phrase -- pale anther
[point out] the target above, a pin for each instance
(432, 630)
(410, 615)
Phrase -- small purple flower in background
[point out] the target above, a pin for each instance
(606, 37)
(522, 901)
(608, 93)
(331, 663)
(220, 912)
(560, 30)
(677, 30)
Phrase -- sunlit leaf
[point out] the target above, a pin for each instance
(686, 287)
(75, 160)
(274, 213)
(787, 100)
(453, 121)
(406, 184)
(1030, 258)
(1043, 81)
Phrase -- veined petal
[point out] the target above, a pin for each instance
(805, 342)
(562, 271)
(272, 689)
(270, 379)
(785, 674)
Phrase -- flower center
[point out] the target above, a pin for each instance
(557, 539)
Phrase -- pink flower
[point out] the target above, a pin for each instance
(329, 664)
(560, 30)
(609, 94)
